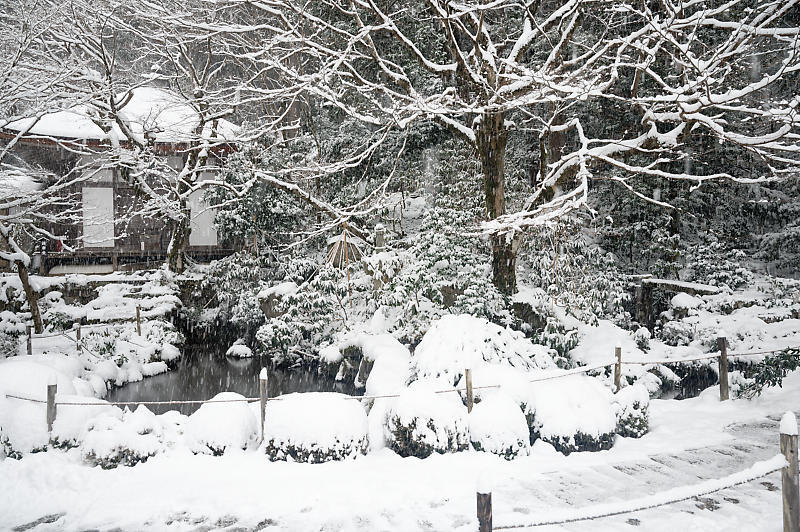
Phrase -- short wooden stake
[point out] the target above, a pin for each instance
(484, 512)
(722, 344)
(77, 327)
(470, 396)
(263, 379)
(138, 320)
(618, 368)
(29, 343)
(789, 475)
(52, 387)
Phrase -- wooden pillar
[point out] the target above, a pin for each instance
(138, 320)
(722, 344)
(380, 238)
(52, 387)
(470, 396)
(484, 512)
(263, 380)
(618, 368)
(114, 262)
(789, 474)
(29, 340)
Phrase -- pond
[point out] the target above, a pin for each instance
(202, 373)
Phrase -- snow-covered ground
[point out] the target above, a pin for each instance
(689, 441)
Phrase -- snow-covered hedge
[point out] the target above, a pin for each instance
(22, 423)
(421, 422)
(128, 439)
(217, 427)
(497, 425)
(571, 413)
(315, 427)
(456, 342)
(630, 409)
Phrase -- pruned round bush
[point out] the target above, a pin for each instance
(497, 425)
(315, 427)
(111, 441)
(421, 422)
(572, 414)
(630, 408)
(217, 427)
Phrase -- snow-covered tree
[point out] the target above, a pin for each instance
(611, 89)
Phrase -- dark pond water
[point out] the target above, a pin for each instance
(202, 373)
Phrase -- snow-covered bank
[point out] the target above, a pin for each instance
(381, 491)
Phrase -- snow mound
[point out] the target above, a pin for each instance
(497, 425)
(789, 424)
(385, 363)
(315, 427)
(456, 342)
(682, 300)
(217, 427)
(239, 351)
(421, 422)
(572, 414)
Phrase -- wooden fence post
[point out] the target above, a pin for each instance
(52, 387)
(722, 344)
(789, 480)
(29, 342)
(618, 368)
(263, 392)
(484, 512)
(470, 396)
(138, 320)
(77, 327)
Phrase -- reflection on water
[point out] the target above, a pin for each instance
(201, 374)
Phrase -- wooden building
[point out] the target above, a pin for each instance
(105, 236)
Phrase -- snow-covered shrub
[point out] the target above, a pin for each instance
(642, 338)
(497, 425)
(23, 422)
(315, 427)
(572, 414)
(235, 282)
(445, 272)
(421, 422)
(577, 275)
(309, 317)
(114, 440)
(712, 264)
(630, 408)
(534, 308)
(677, 332)
(217, 427)
(456, 342)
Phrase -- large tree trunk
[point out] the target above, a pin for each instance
(176, 252)
(31, 295)
(490, 141)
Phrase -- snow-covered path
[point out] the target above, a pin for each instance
(690, 441)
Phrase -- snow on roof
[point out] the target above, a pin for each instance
(161, 112)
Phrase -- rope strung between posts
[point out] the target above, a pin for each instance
(567, 373)
(708, 356)
(708, 487)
